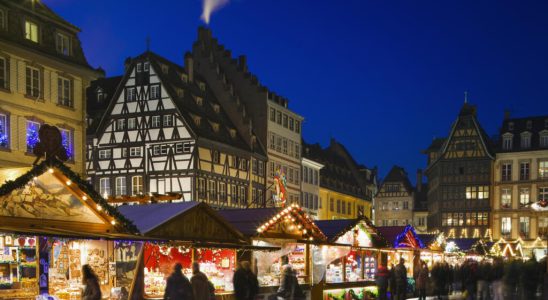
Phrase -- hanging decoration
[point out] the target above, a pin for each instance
(408, 239)
(280, 184)
(295, 219)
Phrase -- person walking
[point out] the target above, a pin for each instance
(290, 288)
(246, 285)
(496, 276)
(422, 280)
(202, 288)
(178, 286)
(92, 290)
(383, 276)
(392, 282)
(484, 274)
(401, 280)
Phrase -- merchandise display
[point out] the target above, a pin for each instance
(296, 257)
(66, 261)
(219, 266)
(18, 266)
(365, 293)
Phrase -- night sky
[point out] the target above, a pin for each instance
(382, 77)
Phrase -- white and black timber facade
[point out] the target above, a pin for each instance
(160, 130)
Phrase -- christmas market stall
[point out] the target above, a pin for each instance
(512, 249)
(53, 223)
(345, 267)
(433, 251)
(290, 229)
(406, 244)
(191, 232)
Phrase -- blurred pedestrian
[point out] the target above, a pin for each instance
(92, 290)
(383, 277)
(401, 280)
(484, 273)
(422, 280)
(392, 282)
(497, 283)
(202, 288)
(290, 288)
(246, 285)
(178, 286)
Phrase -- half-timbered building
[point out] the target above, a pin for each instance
(459, 178)
(160, 130)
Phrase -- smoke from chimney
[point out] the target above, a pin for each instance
(209, 7)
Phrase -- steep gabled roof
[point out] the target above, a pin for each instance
(398, 175)
(334, 229)
(95, 108)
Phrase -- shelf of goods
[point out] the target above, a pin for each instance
(18, 267)
(296, 257)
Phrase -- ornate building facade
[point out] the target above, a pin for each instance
(43, 78)
(160, 130)
(346, 188)
(459, 178)
(521, 179)
(252, 106)
(394, 202)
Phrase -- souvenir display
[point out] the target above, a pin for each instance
(295, 257)
(218, 265)
(18, 267)
(159, 262)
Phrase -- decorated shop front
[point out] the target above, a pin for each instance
(346, 267)
(191, 232)
(52, 224)
(405, 244)
(291, 230)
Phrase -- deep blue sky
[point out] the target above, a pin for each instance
(382, 77)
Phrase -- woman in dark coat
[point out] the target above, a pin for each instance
(422, 280)
(178, 286)
(246, 285)
(290, 288)
(92, 291)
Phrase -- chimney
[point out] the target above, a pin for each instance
(506, 114)
(419, 180)
(189, 66)
(242, 62)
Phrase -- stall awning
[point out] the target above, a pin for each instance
(185, 221)
(290, 222)
(335, 229)
(76, 234)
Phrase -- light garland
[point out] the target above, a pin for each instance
(295, 215)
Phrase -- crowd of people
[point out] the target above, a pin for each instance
(483, 280)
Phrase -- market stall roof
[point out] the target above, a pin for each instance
(51, 196)
(291, 222)
(507, 248)
(335, 229)
(401, 236)
(184, 221)
(469, 245)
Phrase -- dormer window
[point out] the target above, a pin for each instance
(216, 108)
(232, 133)
(507, 141)
(529, 124)
(510, 125)
(214, 126)
(62, 44)
(525, 140)
(139, 68)
(199, 101)
(180, 93)
(100, 95)
(196, 120)
(31, 31)
(543, 136)
(146, 66)
(202, 86)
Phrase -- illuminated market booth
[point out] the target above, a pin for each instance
(406, 244)
(508, 248)
(191, 232)
(52, 224)
(433, 251)
(346, 266)
(289, 229)
(458, 250)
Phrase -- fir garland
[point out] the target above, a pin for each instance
(43, 167)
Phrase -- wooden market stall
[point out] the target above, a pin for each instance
(53, 222)
(191, 232)
(346, 266)
(290, 229)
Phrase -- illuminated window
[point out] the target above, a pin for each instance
(543, 194)
(31, 31)
(120, 186)
(543, 169)
(543, 226)
(62, 43)
(506, 226)
(506, 197)
(524, 196)
(4, 131)
(32, 135)
(136, 185)
(104, 186)
(66, 140)
(33, 85)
